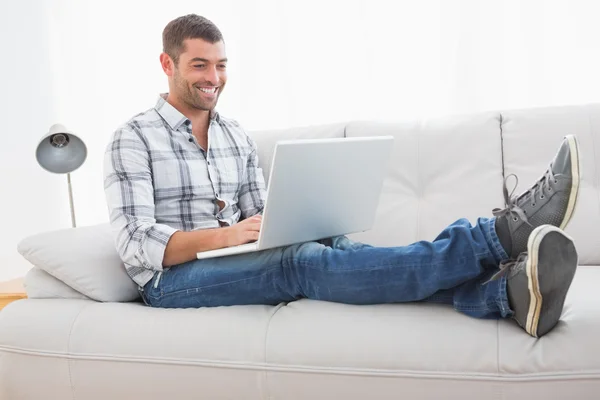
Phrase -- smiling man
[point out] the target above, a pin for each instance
(197, 81)
(180, 178)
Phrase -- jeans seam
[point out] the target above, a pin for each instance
(463, 306)
(492, 238)
(142, 295)
(306, 264)
(503, 297)
(168, 294)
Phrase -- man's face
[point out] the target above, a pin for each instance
(200, 75)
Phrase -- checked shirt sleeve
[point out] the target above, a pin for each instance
(140, 241)
(252, 194)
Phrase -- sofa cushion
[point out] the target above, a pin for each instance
(92, 350)
(428, 351)
(440, 170)
(41, 285)
(303, 350)
(84, 258)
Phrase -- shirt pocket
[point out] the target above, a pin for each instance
(180, 179)
(229, 176)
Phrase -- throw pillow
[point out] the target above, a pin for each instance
(41, 285)
(84, 258)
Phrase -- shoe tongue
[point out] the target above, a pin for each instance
(562, 161)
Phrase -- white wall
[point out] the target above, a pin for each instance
(93, 64)
(32, 200)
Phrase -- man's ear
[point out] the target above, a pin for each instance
(167, 64)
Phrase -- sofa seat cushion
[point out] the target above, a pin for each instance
(305, 349)
(421, 343)
(130, 351)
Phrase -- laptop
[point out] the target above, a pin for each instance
(317, 189)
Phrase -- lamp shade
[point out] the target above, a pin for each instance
(60, 151)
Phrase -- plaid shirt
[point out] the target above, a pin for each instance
(157, 180)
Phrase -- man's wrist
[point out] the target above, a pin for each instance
(223, 237)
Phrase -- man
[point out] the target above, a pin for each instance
(180, 178)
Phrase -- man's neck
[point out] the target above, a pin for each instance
(200, 119)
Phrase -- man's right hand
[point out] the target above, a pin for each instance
(243, 232)
(183, 246)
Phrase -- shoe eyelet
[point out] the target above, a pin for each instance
(550, 188)
(555, 181)
(542, 197)
(532, 204)
(515, 219)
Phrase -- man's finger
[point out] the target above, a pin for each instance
(254, 227)
(252, 219)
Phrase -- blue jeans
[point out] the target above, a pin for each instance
(452, 270)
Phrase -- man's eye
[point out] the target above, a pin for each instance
(199, 66)
(222, 66)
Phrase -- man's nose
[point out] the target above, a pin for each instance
(213, 76)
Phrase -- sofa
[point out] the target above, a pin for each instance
(83, 332)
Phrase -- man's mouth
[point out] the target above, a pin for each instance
(208, 90)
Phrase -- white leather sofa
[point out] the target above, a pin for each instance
(72, 339)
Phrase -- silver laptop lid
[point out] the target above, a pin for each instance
(322, 188)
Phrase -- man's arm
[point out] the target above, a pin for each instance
(252, 195)
(183, 246)
(141, 242)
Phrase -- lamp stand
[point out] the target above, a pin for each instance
(71, 200)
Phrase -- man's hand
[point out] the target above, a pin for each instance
(183, 246)
(243, 232)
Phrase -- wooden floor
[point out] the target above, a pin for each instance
(11, 291)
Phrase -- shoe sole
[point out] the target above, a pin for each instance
(535, 293)
(575, 179)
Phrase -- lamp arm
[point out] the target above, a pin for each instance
(73, 224)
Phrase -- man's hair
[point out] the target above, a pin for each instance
(189, 26)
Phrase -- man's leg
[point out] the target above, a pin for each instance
(461, 258)
(252, 278)
(344, 272)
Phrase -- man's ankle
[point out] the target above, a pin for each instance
(503, 233)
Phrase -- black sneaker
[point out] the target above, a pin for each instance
(538, 281)
(551, 200)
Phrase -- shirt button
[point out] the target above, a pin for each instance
(190, 140)
(208, 162)
(216, 194)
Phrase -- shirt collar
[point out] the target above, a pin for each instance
(172, 115)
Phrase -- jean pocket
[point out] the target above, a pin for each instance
(143, 295)
(152, 291)
(157, 279)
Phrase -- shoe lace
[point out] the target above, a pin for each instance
(509, 267)
(511, 202)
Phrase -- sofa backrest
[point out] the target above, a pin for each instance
(444, 169)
